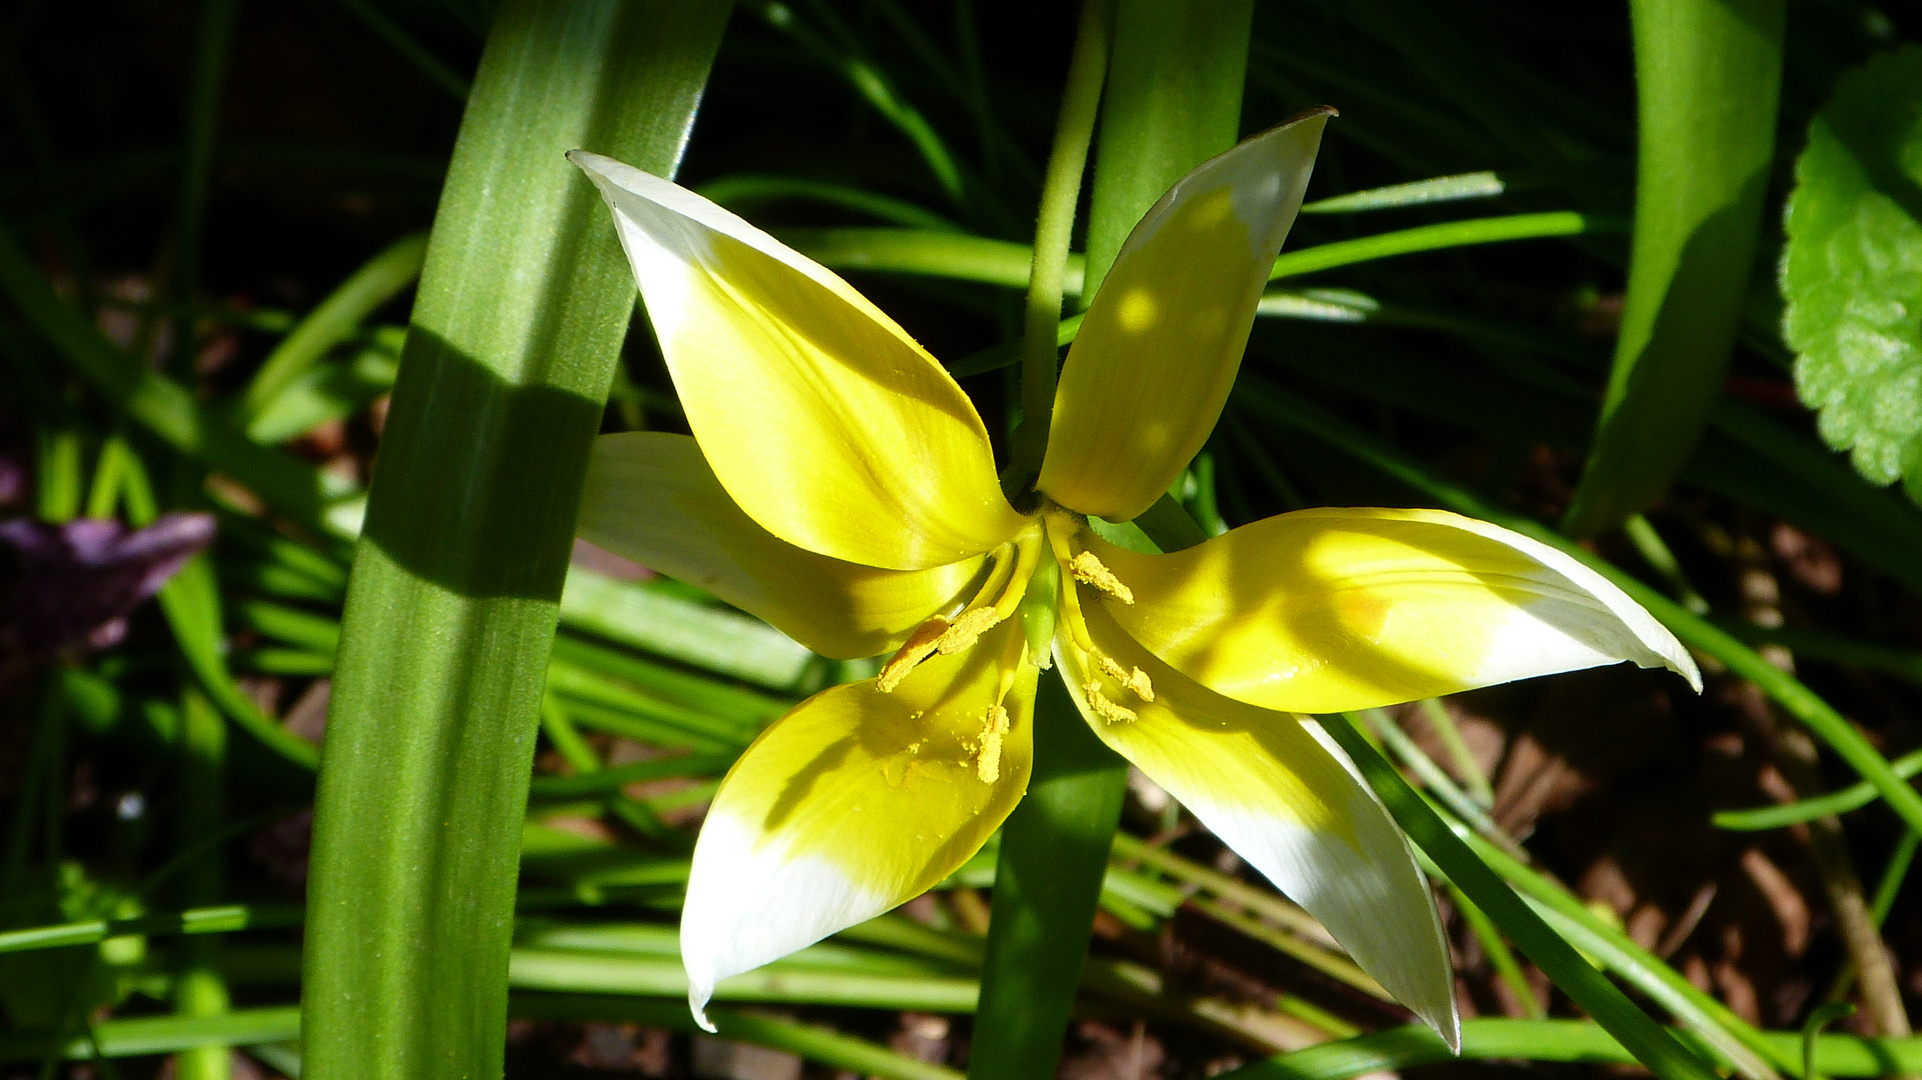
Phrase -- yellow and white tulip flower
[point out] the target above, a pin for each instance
(840, 485)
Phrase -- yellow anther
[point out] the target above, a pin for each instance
(1089, 570)
(987, 760)
(1106, 708)
(1135, 679)
(965, 630)
(919, 646)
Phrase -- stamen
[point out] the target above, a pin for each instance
(1136, 680)
(919, 646)
(965, 630)
(1105, 708)
(1089, 570)
(987, 762)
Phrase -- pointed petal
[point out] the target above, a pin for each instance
(652, 498)
(1336, 609)
(1156, 355)
(822, 418)
(1276, 791)
(853, 803)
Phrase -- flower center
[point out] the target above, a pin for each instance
(1021, 580)
(1109, 682)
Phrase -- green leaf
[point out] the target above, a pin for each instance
(457, 577)
(1852, 270)
(1173, 101)
(1708, 73)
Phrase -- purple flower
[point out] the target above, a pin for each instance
(72, 586)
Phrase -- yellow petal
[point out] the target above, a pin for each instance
(821, 417)
(1156, 355)
(1274, 789)
(652, 498)
(1337, 609)
(855, 802)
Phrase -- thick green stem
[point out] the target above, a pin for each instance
(1173, 101)
(1054, 228)
(1054, 851)
(451, 609)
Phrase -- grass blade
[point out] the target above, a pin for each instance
(1653, 1046)
(521, 310)
(335, 320)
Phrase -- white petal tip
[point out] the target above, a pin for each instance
(697, 1004)
(1675, 657)
(1450, 1032)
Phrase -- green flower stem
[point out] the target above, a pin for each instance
(457, 576)
(1693, 630)
(1173, 100)
(1054, 229)
(1054, 851)
(1708, 74)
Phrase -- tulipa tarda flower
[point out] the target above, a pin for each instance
(840, 485)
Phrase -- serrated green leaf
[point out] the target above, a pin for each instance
(1852, 270)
